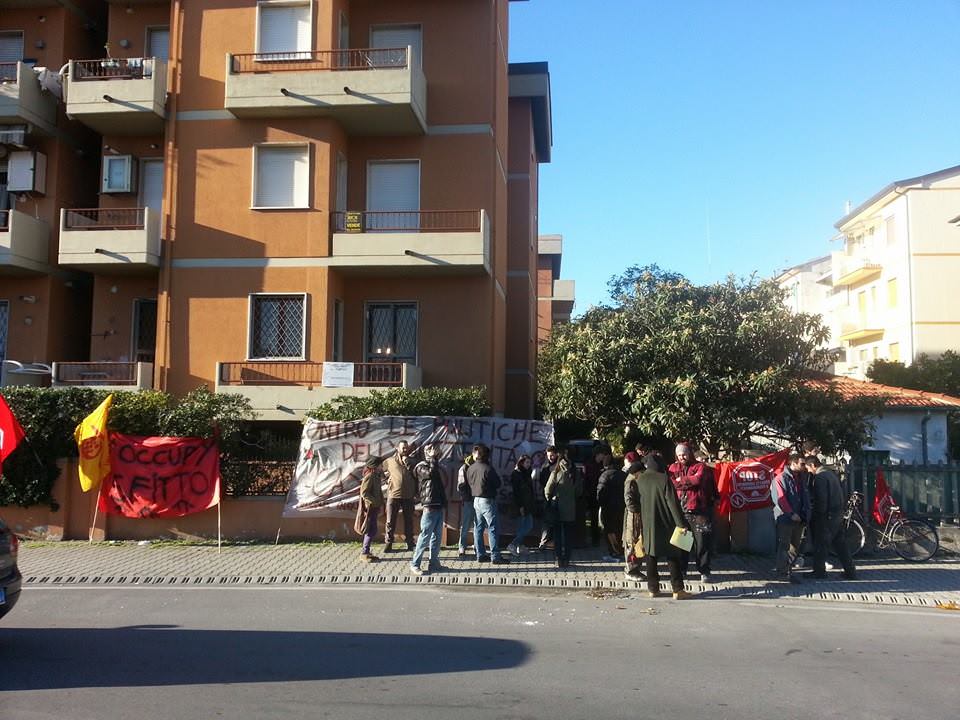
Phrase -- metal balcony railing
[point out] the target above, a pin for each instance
(307, 374)
(407, 221)
(104, 219)
(355, 59)
(95, 373)
(113, 69)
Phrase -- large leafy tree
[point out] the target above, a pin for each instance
(717, 364)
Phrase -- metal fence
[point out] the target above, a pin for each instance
(929, 491)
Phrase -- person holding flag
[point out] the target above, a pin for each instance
(10, 431)
(93, 443)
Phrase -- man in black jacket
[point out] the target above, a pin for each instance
(433, 498)
(826, 522)
(611, 502)
(484, 484)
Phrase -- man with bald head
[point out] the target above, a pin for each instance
(693, 482)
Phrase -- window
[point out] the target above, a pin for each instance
(151, 184)
(891, 229)
(144, 330)
(158, 43)
(893, 352)
(11, 51)
(282, 177)
(338, 330)
(118, 174)
(343, 37)
(862, 304)
(395, 37)
(284, 30)
(863, 356)
(341, 199)
(277, 327)
(393, 195)
(892, 293)
(392, 332)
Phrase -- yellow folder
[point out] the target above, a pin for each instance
(682, 539)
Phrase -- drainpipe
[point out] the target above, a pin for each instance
(923, 436)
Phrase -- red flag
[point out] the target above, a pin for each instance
(882, 500)
(10, 431)
(745, 485)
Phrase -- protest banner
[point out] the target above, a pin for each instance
(158, 477)
(745, 485)
(326, 482)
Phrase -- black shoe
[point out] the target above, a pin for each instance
(483, 559)
(411, 547)
(501, 561)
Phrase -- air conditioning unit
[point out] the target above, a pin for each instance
(119, 174)
(27, 172)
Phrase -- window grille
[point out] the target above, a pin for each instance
(277, 327)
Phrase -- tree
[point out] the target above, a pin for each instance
(716, 364)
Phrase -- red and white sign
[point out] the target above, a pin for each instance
(745, 485)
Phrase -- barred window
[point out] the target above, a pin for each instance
(276, 326)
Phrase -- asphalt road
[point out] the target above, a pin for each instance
(359, 652)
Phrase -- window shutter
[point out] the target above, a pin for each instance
(285, 28)
(282, 177)
(158, 43)
(11, 47)
(393, 186)
(399, 36)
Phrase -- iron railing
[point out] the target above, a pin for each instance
(355, 59)
(113, 69)
(307, 374)
(104, 219)
(407, 221)
(95, 373)
(8, 72)
(930, 491)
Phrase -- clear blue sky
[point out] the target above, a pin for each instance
(715, 137)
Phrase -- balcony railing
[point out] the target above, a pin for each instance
(113, 69)
(8, 72)
(356, 59)
(407, 221)
(308, 374)
(104, 219)
(95, 373)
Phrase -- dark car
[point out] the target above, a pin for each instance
(9, 574)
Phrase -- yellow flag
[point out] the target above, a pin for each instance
(91, 437)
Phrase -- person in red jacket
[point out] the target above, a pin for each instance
(696, 491)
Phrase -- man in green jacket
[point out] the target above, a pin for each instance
(401, 489)
(660, 515)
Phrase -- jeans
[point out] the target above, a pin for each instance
(431, 525)
(370, 531)
(788, 545)
(467, 516)
(486, 510)
(702, 529)
(562, 535)
(394, 506)
(524, 526)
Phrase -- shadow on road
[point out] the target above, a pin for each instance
(149, 656)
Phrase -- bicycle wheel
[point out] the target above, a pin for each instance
(914, 540)
(855, 537)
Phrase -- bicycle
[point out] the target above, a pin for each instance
(913, 540)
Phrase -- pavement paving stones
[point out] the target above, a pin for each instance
(883, 579)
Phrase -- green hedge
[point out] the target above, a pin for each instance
(49, 416)
(441, 401)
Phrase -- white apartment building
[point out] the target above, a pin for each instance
(893, 291)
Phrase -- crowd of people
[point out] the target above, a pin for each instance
(645, 510)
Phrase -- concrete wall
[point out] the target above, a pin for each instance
(900, 432)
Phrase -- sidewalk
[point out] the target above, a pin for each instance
(883, 579)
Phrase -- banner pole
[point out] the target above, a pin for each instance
(93, 524)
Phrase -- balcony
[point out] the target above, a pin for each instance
(107, 375)
(118, 96)
(858, 327)
(443, 241)
(564, 293)
(110, 240)
(281, 390)
(369, 91)
(853, 269)
(24, 101)
(24, 242)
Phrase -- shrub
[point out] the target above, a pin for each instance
(440, 401)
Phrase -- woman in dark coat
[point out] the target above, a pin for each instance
(523, 503)
(660, 515)
(561, 496)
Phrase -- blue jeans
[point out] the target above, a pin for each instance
(431, 524)
(466, 522)
(486, 510)
(524, 526)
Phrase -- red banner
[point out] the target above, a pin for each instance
(745, 485)
(882, 500)
(157, 477)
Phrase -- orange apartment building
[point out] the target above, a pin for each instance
(232, 193)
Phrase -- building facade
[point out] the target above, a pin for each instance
(260, 188)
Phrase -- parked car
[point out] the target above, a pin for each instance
(9, 574)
